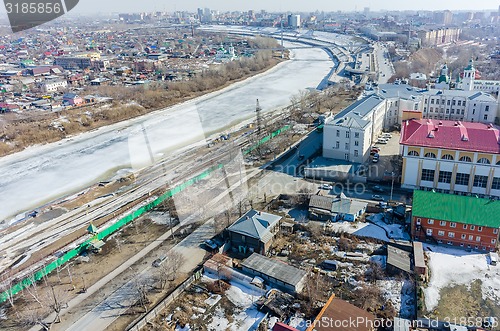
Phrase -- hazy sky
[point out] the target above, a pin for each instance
(281, 5)
(106, 6)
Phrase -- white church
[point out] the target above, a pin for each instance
(470, 83)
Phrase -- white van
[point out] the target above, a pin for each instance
(493, 258)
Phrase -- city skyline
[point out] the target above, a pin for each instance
(96, 6)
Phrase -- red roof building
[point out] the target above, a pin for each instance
(451, 157)
(283, 327)
(464, 136)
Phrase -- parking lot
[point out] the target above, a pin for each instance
(378, 171)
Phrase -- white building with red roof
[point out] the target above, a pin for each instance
(451, 157)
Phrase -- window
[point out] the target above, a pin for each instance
(338, 133)
(413, 153)
(485, 117)
(346, 156)
(442, 101)
(430, 155)
(459, 102)
(480, 181)
(356, 143)
(347, 146)
(432, 101)
(453, 225)
(451, 234)
(454, 102)
(465, 226)
(462, 179)
(493, 241)
(356, 153)
(478, 238)
(449, 102)
(496, 184)
(465, 159)
(464, 236)
(442, 223)
(428, 175)
(471, 237)
(487, 108)
(429, 232)
(495, 231)
(447, 157)
(430, 221)
(445, 177)
(356, 135)
(472, 227)
(479, 228)
(441, 233)
(483, 160)
(347, 134)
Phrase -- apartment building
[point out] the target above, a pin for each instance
(349, 135)
(451, 156)
(464, 221)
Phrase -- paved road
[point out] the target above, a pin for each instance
(384, 64)
(120, 301)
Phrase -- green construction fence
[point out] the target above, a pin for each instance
(15, 289)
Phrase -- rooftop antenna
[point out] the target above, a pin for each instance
(258, 110)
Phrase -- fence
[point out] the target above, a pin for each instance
(15, 289)
(151, 316)
(266, 139)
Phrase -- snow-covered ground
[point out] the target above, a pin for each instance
(42, 173)
(451, 266)
(378, 230)
(401, 294)
(245, 313)
(394, 231)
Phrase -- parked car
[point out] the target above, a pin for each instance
(378, 189)
(377, 197)
(376, 149)
(211, 244)
(381, 141)
(327, 187)
(157, 263)
(375, 160)
(386, 135)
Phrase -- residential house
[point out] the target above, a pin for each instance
(253, 232)
(54, 85)
(336, 208)
(72, 99)
(283, 327)
(465, 221)
(340, 315)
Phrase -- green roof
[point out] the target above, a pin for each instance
(456, 208)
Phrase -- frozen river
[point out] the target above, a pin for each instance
(43, 173)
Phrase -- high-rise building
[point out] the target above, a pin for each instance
(443, 17)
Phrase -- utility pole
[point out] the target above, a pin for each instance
(258, 110)
(282, 45)
(392, 185)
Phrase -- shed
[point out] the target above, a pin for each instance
(276, 273)
(398, 260)
(418, 257)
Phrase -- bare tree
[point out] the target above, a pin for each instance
(7, 287)
(141, 287)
